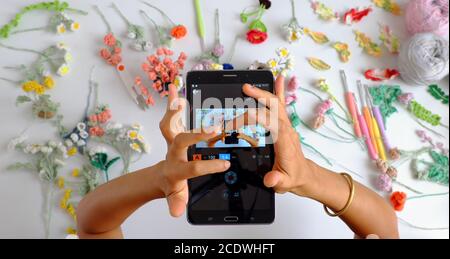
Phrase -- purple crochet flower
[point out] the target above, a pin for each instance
(405, 99)
(218, 50)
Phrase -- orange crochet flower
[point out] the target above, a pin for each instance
(178, 32)
(398, 200)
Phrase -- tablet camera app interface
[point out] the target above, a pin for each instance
(240, 190)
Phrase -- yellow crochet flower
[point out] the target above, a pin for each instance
(63, 203)
(72, 212)
(272, 63)
(76, 172)
(29, 86)
(73, 151)
(283, 52)
(68, 193)
(63, 70)
(49, 83)
(136, 147)
(60, 183)
(61, 28)
(133, 134)
(75, 26)
(71, 231)
(39, 89)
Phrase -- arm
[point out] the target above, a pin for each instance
(292, 172)
(101, 213)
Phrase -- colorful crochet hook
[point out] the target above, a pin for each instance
(200, 24)
(367, 115)
(351, 105)
(364, 127)
(380, 133)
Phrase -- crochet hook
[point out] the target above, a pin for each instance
(200, 24)
(364, 128)
(351, 105)
(367, 115)
(377, 123)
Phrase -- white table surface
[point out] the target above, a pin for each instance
(21, 193)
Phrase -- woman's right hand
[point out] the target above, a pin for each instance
(292, 172)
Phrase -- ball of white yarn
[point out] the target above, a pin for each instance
(423, 60)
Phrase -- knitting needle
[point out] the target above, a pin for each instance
(367, 115)
(365, 130)
(200, 24)
(351, 105)
(376, 119)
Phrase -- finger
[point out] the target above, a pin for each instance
(264, 97)
(279, 89)
(177, 203)
(173, 95)
(260, 116)
(275, 180)
(184, 140)
(195, 169)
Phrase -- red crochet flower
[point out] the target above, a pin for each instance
(256, 36)
(398, 200)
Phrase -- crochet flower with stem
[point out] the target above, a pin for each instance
(38, 78)
(257, 30)
(59, 22)
(210, 60)
(293, 30)
(135, 32)
(48, 159)
(174, 32)
(112, 52)
(163, 71)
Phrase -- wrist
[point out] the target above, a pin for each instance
(156, 179)
(310, 186)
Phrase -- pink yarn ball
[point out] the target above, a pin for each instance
(427, 16)
(384, 183)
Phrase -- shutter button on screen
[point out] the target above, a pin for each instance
(231, 178)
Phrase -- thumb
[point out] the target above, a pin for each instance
(177, 203)
(275, 179)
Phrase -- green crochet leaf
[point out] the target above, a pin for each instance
(112, 162)
(424, 114)
(438, 94)
(385, 96)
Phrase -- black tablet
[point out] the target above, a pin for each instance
(237, 196)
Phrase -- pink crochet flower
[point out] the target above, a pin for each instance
(294, 84)
(105, 54)
(109, 40)
(324, 107)
(96, 131)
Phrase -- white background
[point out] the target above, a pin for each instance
(21, 192)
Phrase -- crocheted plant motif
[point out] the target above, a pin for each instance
(436, 171)
(424, 114)
(385, 96)
(438, 93)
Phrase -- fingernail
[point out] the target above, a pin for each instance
(227, 164)
(249, 86)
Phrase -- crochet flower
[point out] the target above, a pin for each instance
(63, 70)
(48, 82)
(178, 32)
(61, 28)
(75, 26)
(162, 70)
(109, 40)
(398, 200)
(384, 183)
(256, 36)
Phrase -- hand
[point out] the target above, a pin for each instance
(176, 169)
(292, 172)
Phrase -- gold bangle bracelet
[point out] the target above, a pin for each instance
(350, 198)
